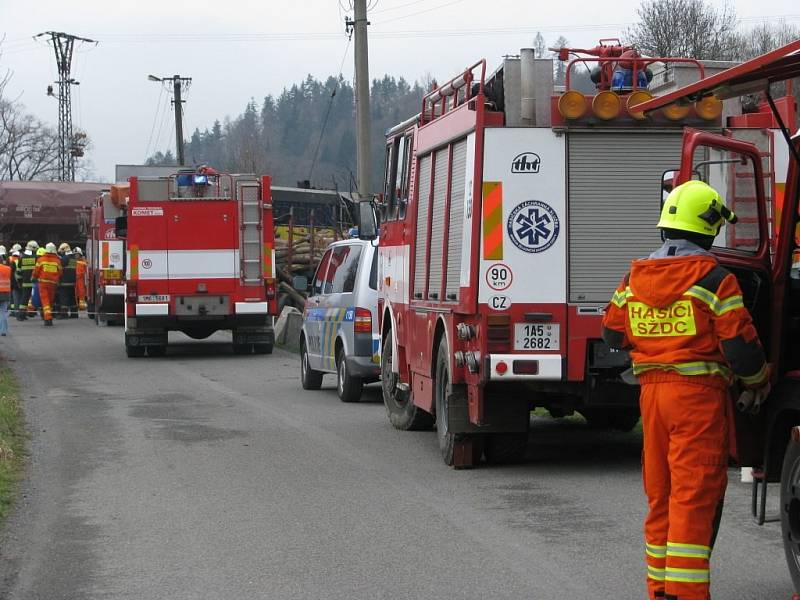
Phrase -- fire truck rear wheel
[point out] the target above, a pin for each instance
(458, 449)
(242, 348)
(347, 387)
(790, 509)
(309, 378)
(156, 351)
(402, 412)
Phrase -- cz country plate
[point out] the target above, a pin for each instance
(537, 336)
(154, 298)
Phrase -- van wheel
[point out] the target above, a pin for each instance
(790, 509)
(309, 378)
(349, 388)
(402, 412)
(459, 450)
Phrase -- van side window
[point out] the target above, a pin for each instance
(373, 271)
(344, 268)
(319, 277)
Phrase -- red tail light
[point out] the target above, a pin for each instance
(269, 286)
(498, 333)
(363, 321)
(132, 291)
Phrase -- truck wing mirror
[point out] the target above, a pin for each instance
(367, 221)
(300, 283)
(121, 226)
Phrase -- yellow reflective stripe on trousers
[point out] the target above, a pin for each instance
(620, 298)
(687, 575)
(688, 550)
(757, 378)
(688, 368)
(656, 573)
(655, 551)
(717, 306)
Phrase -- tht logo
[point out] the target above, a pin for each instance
(527, 162)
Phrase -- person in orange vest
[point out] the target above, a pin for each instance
(80, 278)
(48, 272)
(5, 292)
(682, 317)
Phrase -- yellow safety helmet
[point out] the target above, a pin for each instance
(695, 207)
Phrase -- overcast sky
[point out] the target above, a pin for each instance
(239, 49)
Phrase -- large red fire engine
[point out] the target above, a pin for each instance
(105, 257)
(769, 274)
(510, 211)
(200, 258)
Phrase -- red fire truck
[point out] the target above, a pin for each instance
(510, 211)
(105, 257)
(200, 258)
(768, 273)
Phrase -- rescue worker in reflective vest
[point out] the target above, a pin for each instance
(35, 303)
(5, 291)
(66, 286)
(16, 290)
(683, 319)
(47, 273)
(80, 279)
(25, 265)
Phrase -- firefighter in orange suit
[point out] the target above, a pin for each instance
(48, 272)
(682, 317)
(80, 278)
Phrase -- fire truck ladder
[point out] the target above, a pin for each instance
(251, 226)
(743, 203)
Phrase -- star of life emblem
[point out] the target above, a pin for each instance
(533, 226)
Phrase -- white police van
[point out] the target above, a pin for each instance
(340, 321)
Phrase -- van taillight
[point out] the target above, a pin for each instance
(132, 291)
(363, 321)
(269, 286)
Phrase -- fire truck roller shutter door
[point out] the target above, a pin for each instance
(423, 203)
(614, 191)
(439, 203)
(456, 222)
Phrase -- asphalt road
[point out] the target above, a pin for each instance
(209, 475)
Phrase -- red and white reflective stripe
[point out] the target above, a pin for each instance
(188, 264)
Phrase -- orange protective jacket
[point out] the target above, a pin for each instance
(685, 315)
(5, 279)
(48, 269)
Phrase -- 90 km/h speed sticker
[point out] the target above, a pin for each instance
(499, 276)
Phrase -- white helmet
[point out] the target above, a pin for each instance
(3, 250)
(50, 248)
(32, 245)
(16, 247)
(15, 253)
(77, 250)
(64, 247)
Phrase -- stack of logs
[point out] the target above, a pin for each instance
(299, 254)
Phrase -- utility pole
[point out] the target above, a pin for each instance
(177, 102)
(363, 121)
(69, 146)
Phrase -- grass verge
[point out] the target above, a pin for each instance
(11, 438)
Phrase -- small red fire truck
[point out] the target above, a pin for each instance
(105, 257)
(200, 258)
(510, 211)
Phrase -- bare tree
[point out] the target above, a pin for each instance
(763, 38)
(28, 147)
(560, 67)
(539, 45)
(690, 28)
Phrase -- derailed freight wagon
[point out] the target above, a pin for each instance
(510, 211)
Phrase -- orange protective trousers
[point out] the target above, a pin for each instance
(47, 293)
(684, 469)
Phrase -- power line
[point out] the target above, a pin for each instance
(328, 111)
(155, 120)
(421, 12)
